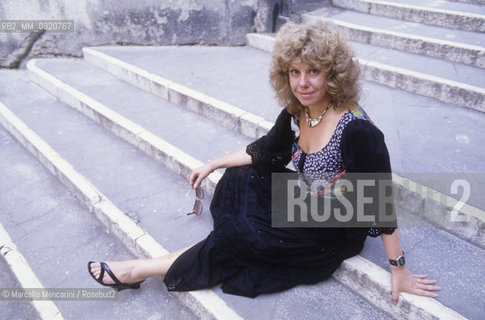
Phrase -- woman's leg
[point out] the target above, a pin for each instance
(131, 271)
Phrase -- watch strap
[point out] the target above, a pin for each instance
(400, 261)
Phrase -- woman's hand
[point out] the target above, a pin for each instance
(199, 174)
(402, 280)
(233, 159)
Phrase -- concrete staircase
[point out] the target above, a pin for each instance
(121, 130)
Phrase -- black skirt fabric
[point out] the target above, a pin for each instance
(202, 266)
(245, 253)
(206, 265)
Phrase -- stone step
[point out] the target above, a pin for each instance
(15, 262)
(250, 121)
(166, 65)
(470, 1)
(440, 13)
(20, 309)
(158, 200)
(356, 272)
(460, 46)
(438, 254)
(52, 237)
(446, 81)
(42, 108)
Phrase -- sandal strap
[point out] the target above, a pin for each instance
(104, 267)
(98, 279)
(101, 276)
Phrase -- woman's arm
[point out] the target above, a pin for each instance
(233, 159)
(273, 148)
(401, 278)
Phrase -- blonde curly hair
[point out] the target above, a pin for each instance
(321, 46)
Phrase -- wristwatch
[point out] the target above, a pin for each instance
(400, 261)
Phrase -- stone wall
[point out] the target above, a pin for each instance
(136, 22)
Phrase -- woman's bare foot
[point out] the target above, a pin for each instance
(125, 271)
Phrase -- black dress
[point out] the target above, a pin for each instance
(249, 256)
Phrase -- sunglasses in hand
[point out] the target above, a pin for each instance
(199, 195)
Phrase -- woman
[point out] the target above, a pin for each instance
(321, 130)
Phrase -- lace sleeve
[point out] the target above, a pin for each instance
(274, 148)
(377, 231)
(256, 151)
(259, 154)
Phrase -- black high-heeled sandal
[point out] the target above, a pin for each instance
(118, 285)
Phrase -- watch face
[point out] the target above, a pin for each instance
(401, 261)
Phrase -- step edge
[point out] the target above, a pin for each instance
(212, 108)
(424, 76)
(428, 199)
(137, 240)
(447, 91)
(18, 265)
(152, 145)
(409, 306)
(426, 9)
(402, 35)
